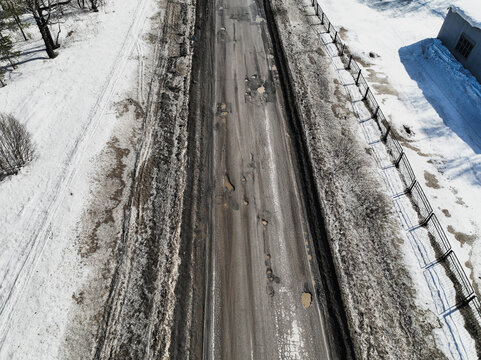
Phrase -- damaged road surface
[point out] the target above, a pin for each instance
(264, 296)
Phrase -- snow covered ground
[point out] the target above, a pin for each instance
(432, 101)
(71, 107)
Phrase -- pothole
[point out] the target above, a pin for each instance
(227, 184)
(306, 299)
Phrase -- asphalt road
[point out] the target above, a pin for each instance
(259, 258)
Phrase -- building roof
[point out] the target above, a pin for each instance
(470, 12)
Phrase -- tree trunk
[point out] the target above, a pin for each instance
(94, 5)
(45, 32)
(54, 44)
(46, 36)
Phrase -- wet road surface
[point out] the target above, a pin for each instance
(260, 259)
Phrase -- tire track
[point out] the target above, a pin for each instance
(138, 313)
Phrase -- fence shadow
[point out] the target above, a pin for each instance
(449, 88)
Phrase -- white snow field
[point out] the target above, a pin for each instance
(434, 105)
(68, 104)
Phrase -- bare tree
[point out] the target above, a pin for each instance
(16, 146)
(41, 12)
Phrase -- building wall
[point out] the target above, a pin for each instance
(454, 25)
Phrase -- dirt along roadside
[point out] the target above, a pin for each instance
(137, 320)
(125, 309)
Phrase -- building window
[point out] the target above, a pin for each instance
(464, 46)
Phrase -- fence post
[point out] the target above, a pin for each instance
(335, 37)
(427, 219)
(365, 94)
(396, 163)
(410, 188)
(349, 64)
(358, 76)
(317, 11)
(313, 2)
(384, 137)
(329, 27)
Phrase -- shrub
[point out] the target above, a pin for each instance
(16, 146)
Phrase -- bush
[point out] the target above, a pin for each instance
(16, 147)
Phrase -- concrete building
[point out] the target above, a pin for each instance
(461, 34)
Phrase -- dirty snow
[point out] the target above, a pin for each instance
(68, 106)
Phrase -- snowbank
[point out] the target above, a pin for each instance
(470, 13)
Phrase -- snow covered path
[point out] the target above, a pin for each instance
(66, 103)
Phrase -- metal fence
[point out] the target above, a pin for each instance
(406, 172)
(473, 317)
(442, 253)
(438, 241)
(394, 148)
(464, 289)
(420, 203)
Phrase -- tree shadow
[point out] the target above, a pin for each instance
(449, 88)
(33, 50)
(26, 55)
(31, 59)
